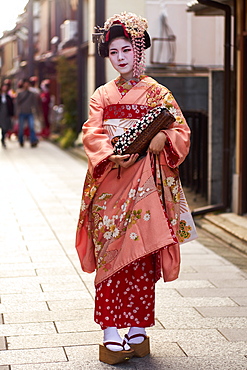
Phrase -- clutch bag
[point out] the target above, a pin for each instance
(136, 139)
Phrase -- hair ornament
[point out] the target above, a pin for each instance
(135, 25)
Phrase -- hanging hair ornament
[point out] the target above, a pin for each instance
(135, 27)
(98, 34)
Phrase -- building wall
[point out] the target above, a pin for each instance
(44, 26)
(239, 198)
(8, 58)
(191, 33)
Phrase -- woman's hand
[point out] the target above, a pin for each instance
(157, 143)
(124, 161)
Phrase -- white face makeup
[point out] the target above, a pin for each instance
(121, 55)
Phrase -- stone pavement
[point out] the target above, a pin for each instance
(46, 301)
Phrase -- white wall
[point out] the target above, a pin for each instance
(199, 40)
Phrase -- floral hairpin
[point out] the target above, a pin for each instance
(135, 25)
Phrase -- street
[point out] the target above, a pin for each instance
(46, 301)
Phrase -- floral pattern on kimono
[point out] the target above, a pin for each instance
(120, 220)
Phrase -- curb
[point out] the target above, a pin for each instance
(217, 228)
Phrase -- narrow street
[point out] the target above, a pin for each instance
(46, 301)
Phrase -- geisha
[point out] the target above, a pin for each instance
(131, 225)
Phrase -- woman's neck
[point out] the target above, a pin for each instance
(129, 78)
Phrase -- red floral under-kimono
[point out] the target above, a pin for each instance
(125, 231)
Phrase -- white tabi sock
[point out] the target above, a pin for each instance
(135, 330)
(111, 335)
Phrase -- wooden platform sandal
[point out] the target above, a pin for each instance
(142, 349)
(114, 357)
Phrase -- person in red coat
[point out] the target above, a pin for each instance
(45, 101)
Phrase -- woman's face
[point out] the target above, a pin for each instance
(121, 55)
(4, 88)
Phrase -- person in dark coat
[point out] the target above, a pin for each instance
(6, 112)
(26, 103)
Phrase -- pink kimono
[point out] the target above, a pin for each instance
(123, 224)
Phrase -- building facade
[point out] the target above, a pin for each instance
(235, 149)
(188, 54)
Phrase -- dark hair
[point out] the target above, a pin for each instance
(114, 32)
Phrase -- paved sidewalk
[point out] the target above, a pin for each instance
(46, 301)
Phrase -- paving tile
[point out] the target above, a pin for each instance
(13, 266)
(165, 349)
(191, 363)
(210, 260)
(177, 284)
(55, 271)
(230, 283)
(64, 264)
(62, 286)
(23, 307)
(82, 352)
(19, 284)
(202, 336)
(233, 293)
(223, 311)
(224, 268)
(16, 273)
(212, 276)
(241, 300)
(69, 277)
(185, 269)
(87, 324)
(167, 293)
(84, 364)
(171, 322)
(38, 257)
(195, 302)
(55, 340)
(194, 248)
(45, 296)
(184, 313)
(43, 316)
(27, 329)
(27, 356)
(235, 335)
(44, 245)
(214, 348)
(2, 342)
(71, 304)
(8, 258)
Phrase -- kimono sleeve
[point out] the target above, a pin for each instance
(96, 142)
(178, 135)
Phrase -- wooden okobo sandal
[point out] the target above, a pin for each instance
(142, 349)
(114, 357)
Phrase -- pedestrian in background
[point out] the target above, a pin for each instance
(26, 103)
(37, 113)
(10, 90)
(45, 101)
(131, 220)
(6, 112)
